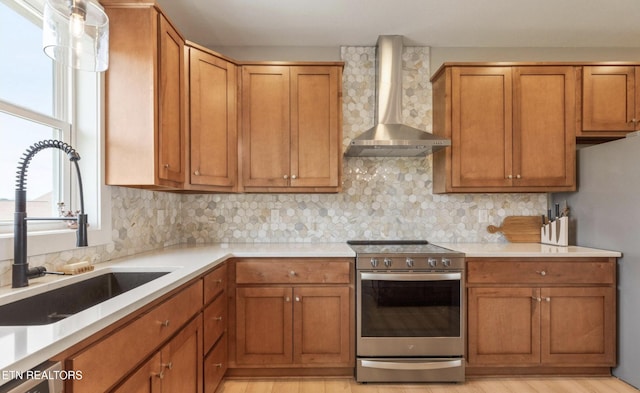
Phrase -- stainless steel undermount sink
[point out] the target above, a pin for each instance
(56, 304)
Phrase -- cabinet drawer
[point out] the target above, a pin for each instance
(133, 342)
(215, 365)
(278, 271)
(540, 272)
(215, 321)
(215, 282)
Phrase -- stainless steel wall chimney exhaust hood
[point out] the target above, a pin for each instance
(389, 137)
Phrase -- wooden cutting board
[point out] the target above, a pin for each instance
(519, 229)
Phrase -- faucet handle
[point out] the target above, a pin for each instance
(82, 240)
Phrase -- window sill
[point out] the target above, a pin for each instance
(48, 242)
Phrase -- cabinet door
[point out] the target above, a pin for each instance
(608, 99)
(182, 360)
(481, 129)
(131, 97)
(315, 127)
(263, 325)
(544, 121)
(578, 326)
(215, 365)
(265, 126)
(170, 143)
(213, 134)
(322, 325)
(503, 326)
(215, 321)
(147, 379)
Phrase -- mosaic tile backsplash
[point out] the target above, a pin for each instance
(382, 197)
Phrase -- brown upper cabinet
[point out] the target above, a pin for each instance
(291, 128)
(174, 111)
(512, 128)
(145, 112)
(610, 100)
(213, 137)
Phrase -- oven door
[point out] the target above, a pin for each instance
(413, 314)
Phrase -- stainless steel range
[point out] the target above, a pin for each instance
(409, 312)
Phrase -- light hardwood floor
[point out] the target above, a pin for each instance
(472, 385)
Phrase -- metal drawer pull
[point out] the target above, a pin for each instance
(542, 273)
(217, 318)
(292, 273)
(219, 365)
(411, 366)
(164, 323)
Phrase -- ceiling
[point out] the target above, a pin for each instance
(435, 23)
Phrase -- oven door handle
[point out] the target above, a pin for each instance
(410, 276)
(411, 365)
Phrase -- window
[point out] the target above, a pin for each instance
(40, 99)
(29, 112)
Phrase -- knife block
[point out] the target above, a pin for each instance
(556, 232)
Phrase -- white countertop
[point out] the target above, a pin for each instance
(526, 250)
(24, 347)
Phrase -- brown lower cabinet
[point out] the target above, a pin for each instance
(541, 316)
(295, 317)
(292, 316)
(177, 367)
(176, 344)
(286, 326)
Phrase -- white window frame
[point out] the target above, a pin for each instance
(85, 110)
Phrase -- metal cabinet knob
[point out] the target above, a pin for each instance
(297, 298)
(547, 299)
(168, 366)
(510, 177)
(542, 273)
(166, 166)
(197, 173)
(164, 323)
(287, 299)
(292, 273)
(518, 176)
(294, 177)
(217, 318)
(537, 299)
(285, 177)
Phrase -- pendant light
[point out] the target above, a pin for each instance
(76, 33)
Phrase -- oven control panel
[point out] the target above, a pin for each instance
(400, 262)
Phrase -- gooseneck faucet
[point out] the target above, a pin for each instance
(21, 273)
